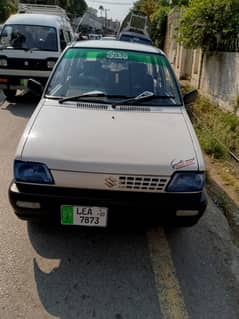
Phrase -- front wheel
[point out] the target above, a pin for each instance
(10, 94)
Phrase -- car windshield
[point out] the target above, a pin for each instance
(116, 73)
(27, 37)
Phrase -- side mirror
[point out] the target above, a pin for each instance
(190, 97)
(35, 87)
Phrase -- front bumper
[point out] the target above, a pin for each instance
(123, 206)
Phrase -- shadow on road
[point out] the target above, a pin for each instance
(102, 274)
(21, 105)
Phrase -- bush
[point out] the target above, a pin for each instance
(207, 24)
(159, 26)
(218, 131)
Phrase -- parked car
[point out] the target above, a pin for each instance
(110, 142)
(134, 37)
(135, 29)
(30, 43)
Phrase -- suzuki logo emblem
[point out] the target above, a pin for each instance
(111, 182)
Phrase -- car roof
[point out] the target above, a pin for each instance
(36, 19)
(115, 44)
(135, 34)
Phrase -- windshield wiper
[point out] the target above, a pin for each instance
(146, 95)
(142, 96)
(87, 94)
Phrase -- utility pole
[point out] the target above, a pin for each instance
(106, 17)
(101, 8)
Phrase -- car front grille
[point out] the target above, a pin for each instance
(143, 183)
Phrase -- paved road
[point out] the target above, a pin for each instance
(54, 272)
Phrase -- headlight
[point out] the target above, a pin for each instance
(50, 64)
(3, 62)
(31, 172)
(186, 182)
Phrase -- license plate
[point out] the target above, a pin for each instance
(84, 216)
(22, 84)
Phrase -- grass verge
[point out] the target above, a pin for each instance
(218, 134)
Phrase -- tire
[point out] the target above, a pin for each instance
(10, 94)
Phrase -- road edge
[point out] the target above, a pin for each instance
(223, 198)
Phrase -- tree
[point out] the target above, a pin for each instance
(178, 3)
(145, 7)
(158, 25)
(150, 6)
(7, 7)
(207, 24)
(74, 7)
(77, 7)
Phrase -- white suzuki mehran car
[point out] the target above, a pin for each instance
(110, 142)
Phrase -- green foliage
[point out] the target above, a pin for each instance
(210, 145)
(179, 3)
(140, 5)
(217, 130)
(7, 7)
(74, 7)
(208, 23)
(158, 26)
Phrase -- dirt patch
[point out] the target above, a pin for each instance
(223, 192)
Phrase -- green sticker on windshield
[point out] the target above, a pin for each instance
(67, 215)
(115, 55)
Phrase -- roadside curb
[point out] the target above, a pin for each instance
(223, 199)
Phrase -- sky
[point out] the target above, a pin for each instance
(116, 9)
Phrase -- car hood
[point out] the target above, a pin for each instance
(93, 140)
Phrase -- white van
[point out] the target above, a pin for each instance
(30, 44)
